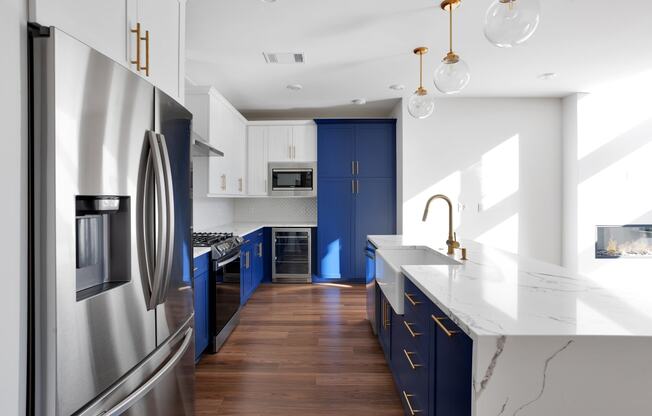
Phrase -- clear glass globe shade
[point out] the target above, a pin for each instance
(512, 23)
(421, 105)
(451, 78)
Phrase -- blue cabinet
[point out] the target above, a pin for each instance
(201, 304)
(335, 237)
(430, 357)
(357, 192)
(252, 267)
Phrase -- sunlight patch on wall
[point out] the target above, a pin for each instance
(612, 110)
(499, 172)
(437, 223)
(503, 235)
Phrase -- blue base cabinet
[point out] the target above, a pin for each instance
(252, 264)
(356, 182)
(201, 283)
(430, 357)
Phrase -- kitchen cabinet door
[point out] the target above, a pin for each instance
(279, 143)
(335, 236)
(375, 214)
(385, 327)
(201, 313)
(304, 142)
(257, 161)
(237, 158)
(451, 393)
(336, 151)
(100, 24)
(375, 150)
(163, 19)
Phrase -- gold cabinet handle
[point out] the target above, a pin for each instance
(353, 167)
(409, 328)
(352, 186)
(137, 32)
(409, 358)
(413, 411)
(146, 39)
(440, 325)
(357, 167)
(412, 301)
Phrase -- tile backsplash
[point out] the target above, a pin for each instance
(275, 209)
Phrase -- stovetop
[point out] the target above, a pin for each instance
(208, 239)
(221, 244)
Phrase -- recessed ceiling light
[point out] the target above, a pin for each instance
(295, 87)
(397, 87)
(359, 101)
(268, 1)
(548, 76)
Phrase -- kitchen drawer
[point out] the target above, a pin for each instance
(202, 263)
(414, 335)
(416, 306)
(413, 382)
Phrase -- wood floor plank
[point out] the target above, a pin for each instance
(299, 350)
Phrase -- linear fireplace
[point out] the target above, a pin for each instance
(623, 241)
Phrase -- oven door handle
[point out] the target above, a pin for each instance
(227, 261)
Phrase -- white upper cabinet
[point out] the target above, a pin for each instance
(279, 142)
(257, 161)
(304, 142)
(215, 120)
(107, 27)
(294, 142)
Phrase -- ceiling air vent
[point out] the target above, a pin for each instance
(283, 57)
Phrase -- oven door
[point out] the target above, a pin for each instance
(226, 295)
(292, 179)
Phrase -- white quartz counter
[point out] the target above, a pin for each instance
(200, 251)
(244, 228)
(545, 341)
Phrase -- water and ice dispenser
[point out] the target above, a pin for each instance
(102, 244)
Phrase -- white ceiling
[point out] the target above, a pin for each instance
(357, 48)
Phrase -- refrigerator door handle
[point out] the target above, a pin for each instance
(151, 383)
(168, 254)
(162, 219)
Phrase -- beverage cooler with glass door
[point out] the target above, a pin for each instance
(291, 256)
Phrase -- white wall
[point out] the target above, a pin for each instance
(607, 176)
(398, 113)
(499, 160)
(13, 210)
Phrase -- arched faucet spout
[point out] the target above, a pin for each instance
(450, 242)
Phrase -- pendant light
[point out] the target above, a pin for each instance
(453, 75)
(421, 104)
(509, 23)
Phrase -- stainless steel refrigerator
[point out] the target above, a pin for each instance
(111, 296)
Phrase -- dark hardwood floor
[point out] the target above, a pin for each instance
(299, 350)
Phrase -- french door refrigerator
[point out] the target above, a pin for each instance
(111, 297)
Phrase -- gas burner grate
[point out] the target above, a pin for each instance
(208, 239)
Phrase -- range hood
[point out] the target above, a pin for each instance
(201, 148)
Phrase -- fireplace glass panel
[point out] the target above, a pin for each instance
(623, 241)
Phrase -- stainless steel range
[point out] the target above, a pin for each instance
(225, 295)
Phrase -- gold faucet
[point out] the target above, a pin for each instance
(452, 237)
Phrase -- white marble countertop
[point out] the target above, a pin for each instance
(244, 228)
(200, 251)
(499, 293)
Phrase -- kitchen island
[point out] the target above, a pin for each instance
(544, 341)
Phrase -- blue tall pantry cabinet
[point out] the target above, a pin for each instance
(356, 192)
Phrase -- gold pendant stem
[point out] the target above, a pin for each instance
(450, 8)
(420, 70)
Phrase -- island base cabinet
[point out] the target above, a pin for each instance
(385, 321)
(452, 370)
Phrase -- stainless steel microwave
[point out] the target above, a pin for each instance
(292, 179)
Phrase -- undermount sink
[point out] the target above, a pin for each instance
(388, 269)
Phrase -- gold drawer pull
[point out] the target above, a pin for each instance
(136, 31)
(409, 328)
(407, 355)
(407, 400)
(440, 325)
(412, 301)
